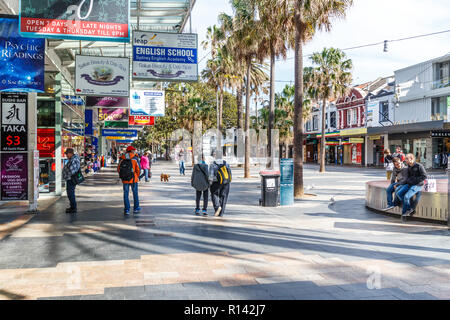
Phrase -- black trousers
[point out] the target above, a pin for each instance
(219, 195)
(70, 189)
(205, 199)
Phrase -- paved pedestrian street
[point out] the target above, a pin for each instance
(315, 249)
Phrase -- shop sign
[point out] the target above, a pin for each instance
(14, 132)
(356, 140)
(356, 154)
(116, 124)
(93, 20)
(88, 122)
(102, 76)
(73, 101)
(440, 134)
(147, 103)
(141, 121)
(329, 134)
(22, 59)
(119, 133)
(372, 114)
(107, 102)
(352, 132)
(375, 137)
(165, 56)
(113, 114)
(46, 142)
(14, 176)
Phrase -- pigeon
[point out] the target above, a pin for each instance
(332, 200)
(313, 186)
(308, 188)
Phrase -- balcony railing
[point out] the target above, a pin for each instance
(441, 83)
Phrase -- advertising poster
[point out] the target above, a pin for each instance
(121, 133)
(14, 131)
(88, 121)
(372, 114)
(165, 56)
(147, 103)
(46, 142)
(14, 176)
(72, 101)
(22, 59)
(113, 114)
(102, 76)
(95, 20)
(107, 102)
(141, 121)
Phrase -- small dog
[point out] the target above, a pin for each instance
(164, 177)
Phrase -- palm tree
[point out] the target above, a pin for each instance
(307, 16)
(330, 79)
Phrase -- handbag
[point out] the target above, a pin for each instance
(430, 185)
(78, 177)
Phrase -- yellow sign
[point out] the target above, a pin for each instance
(356, 140)
(375, 137)
(353, 132)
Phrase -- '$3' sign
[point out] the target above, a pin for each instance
(12, 140)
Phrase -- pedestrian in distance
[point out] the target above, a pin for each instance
(220, 180)
(200, 182)
(181, 160)
(399, 154)
(129, 170)
(388, 164)
(71, 169)
(413, 185)
(145, 164)
(399, 177)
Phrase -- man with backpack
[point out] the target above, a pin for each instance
(220, 176)
(129, 170)
(200, 182)
(71, 168)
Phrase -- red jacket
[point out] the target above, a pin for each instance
(136, 168)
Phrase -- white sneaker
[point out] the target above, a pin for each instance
(216, 214)
(388, 208)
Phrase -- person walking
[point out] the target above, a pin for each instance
(145, 164)
(181, 160)
(71, 168)
(398, 179)
(200, 182)
(399, 154)
(388, 164)
(220, 178)
(129, 170)
(413, 185)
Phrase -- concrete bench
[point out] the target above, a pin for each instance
(431, 206)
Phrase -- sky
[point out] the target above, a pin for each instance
(367, 21)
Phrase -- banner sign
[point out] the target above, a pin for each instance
(372, 114)
(46, 142)
(356, 140)
(22, 59)
(141, 121)
(88, 121)
(119, 133)
(72, 101)
(107, 102)
(102, 76)
(14, 176)
(165, 56)
(14, 132)
(147, 103)
(116, 124)
(112, 114)
(94, 20)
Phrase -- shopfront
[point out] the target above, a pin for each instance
(375, 150)
(312, 149)
(417, 143)
(441, 148)
(353, 146)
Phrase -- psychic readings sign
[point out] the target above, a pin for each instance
(21, 59)
(14, 176)
(165, 56)
(96, 20)
(102, 76)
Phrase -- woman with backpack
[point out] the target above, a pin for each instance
(200, 182)
(220, 176)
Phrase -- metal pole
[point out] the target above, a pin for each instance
(33, 172)
(217, 107)
(190, 16)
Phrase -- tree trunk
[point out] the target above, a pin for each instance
(221, 108)
(247, 121)
(239, 94)
(271, 107)
(323, 140)
(298, 111)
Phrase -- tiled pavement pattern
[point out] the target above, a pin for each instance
(316, 249)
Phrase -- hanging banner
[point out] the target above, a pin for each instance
(14, 176)
(113, 114)
(372, 114)
(119, 133)
(107, 102)
(165, 56)
(102, 76)
(22, 59)
(14, 132)
(141, 121)
(72, 101)
(46, 142)
(93, 20)
(147, 103)
(116, 124)
(88, 121)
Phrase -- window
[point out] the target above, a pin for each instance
(333, 119)
(439, 108)
(308, 126)
(315, 123)
(384, 111)
(442, 75)
(352, 116)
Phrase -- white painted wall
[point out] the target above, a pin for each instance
(413, 111)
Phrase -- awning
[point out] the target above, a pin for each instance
(410, 127)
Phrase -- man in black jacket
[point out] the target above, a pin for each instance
(399, 177)
(413, 185)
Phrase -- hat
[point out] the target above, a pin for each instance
(69, 150)
(130, 148)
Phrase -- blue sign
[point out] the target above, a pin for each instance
(119, 133)
(165, 55)
(73, 101)
(21, 60)
(286, 182)
(88, 120)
